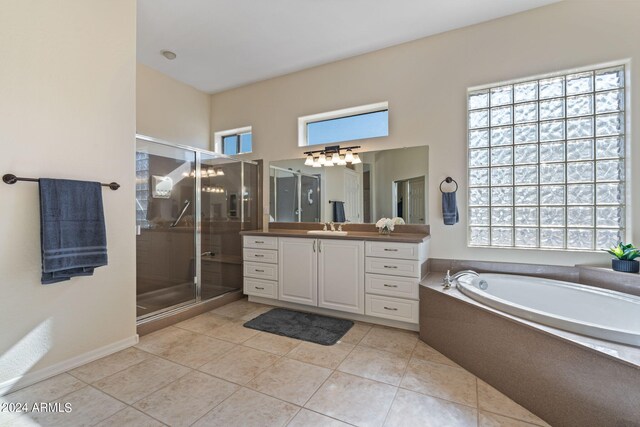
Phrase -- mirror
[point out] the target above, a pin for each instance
(387, 183)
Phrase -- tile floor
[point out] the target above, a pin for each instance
(211, 371)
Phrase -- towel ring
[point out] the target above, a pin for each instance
(449, 180)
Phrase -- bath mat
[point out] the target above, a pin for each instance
(303, 326)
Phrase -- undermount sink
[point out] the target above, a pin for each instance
(327, 232)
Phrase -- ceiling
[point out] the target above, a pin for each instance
(223, 44)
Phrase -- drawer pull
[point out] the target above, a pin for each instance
(259, 271)
(390, 286)
(390, 266)
(258, 241)
(390, 308)
(390, 250)
(258, 287)
(258, 256)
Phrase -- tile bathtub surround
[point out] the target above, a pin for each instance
(563, 382)
(376, 376)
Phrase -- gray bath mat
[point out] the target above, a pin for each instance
(303, 326)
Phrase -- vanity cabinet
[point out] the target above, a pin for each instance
(372, 278)
(297, 270)
(341, 275)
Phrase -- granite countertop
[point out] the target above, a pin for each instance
(352, 235)
(620, 352)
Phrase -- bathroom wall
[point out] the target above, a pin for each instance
(67, 110)
(170, 110)
(425, 83)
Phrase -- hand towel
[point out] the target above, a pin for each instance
(450, 208)
(338, 212)
(72, 230)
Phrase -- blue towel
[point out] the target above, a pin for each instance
(338, 212)
(73, 238)
(450, 208)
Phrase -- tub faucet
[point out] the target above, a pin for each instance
(448, 278)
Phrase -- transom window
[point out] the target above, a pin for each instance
(234, 141)
(546, 161)
(366, 121)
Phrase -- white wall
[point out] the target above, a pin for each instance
(67, 110)
(425, 83)
(170, 110)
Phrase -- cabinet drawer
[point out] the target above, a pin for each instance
(393, 250)
(393, 286)
(261, 271)
(260, 255)
(260, 242)
(391, 308)
(393, 267)
(260, 288)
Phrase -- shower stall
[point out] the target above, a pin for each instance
(294, 196)
(191, 205)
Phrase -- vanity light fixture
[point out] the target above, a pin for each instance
(332, 155)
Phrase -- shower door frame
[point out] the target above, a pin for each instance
(168, 311)
(299, 189)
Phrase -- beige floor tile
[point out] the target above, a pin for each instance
(356, 333)
(130, 417)
(203, 323)
(392, 340)
(490, 399)
(184, 347)
(487, 419)
(307, 418)
(182, 402)
(233, 331)
(88, 407)
(414, 409)
(256, 313)
(101, 368)
(44, 391)
(425, 352)
(439, 380)
(290, 380)
(240, 365)
(238, 309)
(248, 408)
(353, 399)
(141, 380)
(272, 343)
(375, 364)
(327, 356)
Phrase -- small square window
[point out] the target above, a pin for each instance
(235, 141)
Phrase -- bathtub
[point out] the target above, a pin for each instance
(585, 310)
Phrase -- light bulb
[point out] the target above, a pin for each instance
(348, 157)
(309, 160)
(316, 163)
(335, 158)
(341, 161)
(322, 159)
(328, 164)
(210, 171)
(356, 159)
(220, 172)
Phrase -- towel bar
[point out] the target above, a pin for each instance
(12, 179)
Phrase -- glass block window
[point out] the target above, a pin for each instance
(546, 162)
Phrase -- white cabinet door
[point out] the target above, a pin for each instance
(341, 275)
(297, 270)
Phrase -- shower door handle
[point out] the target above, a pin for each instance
(314, 246)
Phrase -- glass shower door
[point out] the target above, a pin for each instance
(166, 225)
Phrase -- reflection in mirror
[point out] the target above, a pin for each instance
(387, 183)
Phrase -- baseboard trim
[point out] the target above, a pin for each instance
(340, 314)
(30, 378)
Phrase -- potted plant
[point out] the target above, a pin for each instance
(625, 258)
(386, 225)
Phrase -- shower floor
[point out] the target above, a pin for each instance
(157, 300)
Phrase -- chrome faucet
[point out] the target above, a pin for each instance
(329, 224)
(448, 278)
